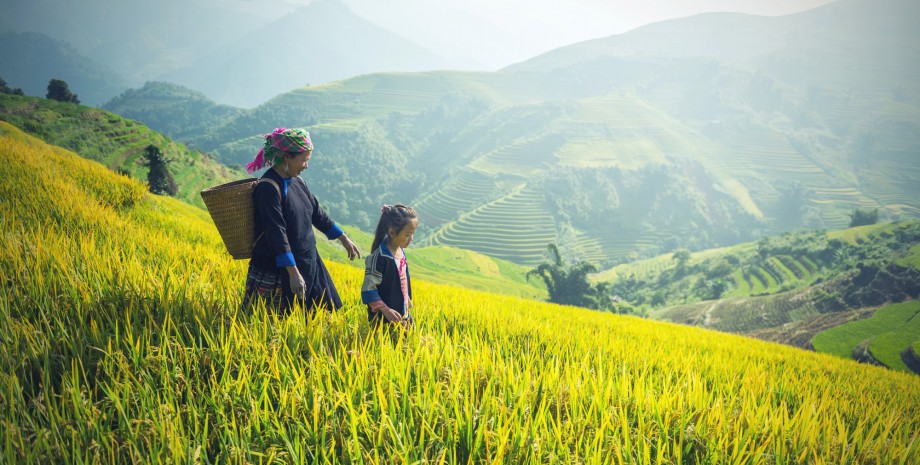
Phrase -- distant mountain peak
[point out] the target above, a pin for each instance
(30, 59)
(320, 42)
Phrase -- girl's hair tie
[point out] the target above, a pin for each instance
(385, 208)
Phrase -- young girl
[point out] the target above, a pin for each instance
(387, 290)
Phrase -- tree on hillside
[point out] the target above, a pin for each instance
(5, 89)
(568, 285)
(682, 257)
(861, 217)
(58, 90)
(159, 178)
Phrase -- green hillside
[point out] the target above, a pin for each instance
(122, 341)
(788, 288)
(171, 109)
(624, 147)
(114, 141)
(791, 262)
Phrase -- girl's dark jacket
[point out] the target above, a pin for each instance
(381, 282)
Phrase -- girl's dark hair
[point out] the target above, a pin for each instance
(392, 216)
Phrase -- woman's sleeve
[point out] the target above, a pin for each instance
(320, 219)
(267, 201)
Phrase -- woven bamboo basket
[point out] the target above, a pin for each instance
(230, 206)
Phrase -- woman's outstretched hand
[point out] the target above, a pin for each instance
(350, 247)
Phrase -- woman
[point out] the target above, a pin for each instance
(285, 266)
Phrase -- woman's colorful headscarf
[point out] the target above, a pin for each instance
(279, 142)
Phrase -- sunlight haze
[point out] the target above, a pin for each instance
(491, 35)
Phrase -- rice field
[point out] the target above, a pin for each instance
(464, 191)
(889, 332)
(516, 227)
(526, 156)
(123, 342)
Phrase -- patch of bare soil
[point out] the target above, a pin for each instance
(862, 355)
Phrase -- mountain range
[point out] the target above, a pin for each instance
(318, 43)
(235, 52)
(697, 132)
(29, 60)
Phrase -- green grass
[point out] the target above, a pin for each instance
(891, 329)
(887, 347)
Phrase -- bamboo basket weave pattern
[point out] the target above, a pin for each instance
(230, 206)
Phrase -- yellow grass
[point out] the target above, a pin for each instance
(122, 341)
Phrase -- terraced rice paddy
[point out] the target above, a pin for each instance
(365, 97)
(743, 314)
(463, 192)
(770, 277)
(624, 243)
(624, 152)
(621, 244)
(516, 227)
(524, 157)
(646, 134)
(762, 150)
(587, 248)
(893, 182)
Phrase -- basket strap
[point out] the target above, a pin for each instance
(275, 185)
(270, 181)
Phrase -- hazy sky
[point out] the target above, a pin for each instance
(498, 33)
(469, 34)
